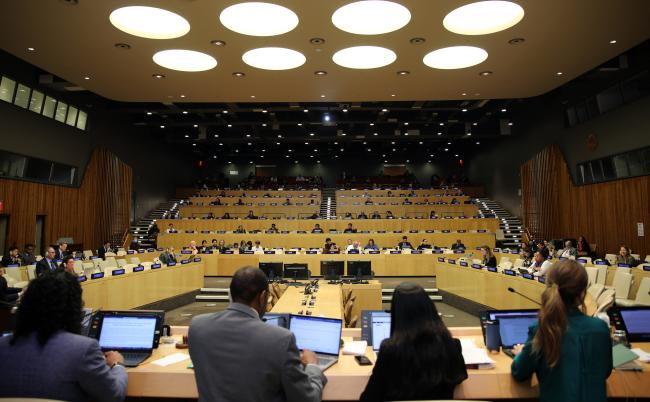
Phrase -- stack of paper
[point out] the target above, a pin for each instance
(474, 356)
(643, 355)
(355, 348)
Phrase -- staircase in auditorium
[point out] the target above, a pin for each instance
(511, 228)
(140, 230)
(328, 203)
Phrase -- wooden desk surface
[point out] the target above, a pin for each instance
(327, 301)
(260, 193)
(388, 200)
(409, 210)
(346, 379)
(426, 192)
(295, 211)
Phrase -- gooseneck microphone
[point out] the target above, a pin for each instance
(511, 290)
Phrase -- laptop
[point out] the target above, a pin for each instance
(379, 328)
(635, 321)
(134, 335)
(320, 335)
(494, 315)
(513, 330)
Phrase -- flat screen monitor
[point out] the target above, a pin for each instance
(272, 269)
(360, 269)
(332, 270)
(296, 271)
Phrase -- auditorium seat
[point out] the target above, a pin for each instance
(584, 260)
(636, 256)
(121, 262)
(605, 300)
(647, 258)
(642, 296)
(595, 290)
(14, 278)
(592, 274)
(602, 274)
(611, 258)
(31, 272)
(621, 284)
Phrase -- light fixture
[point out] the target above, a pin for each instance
(464, 94)
(371, 17)
(31, 49)
(264, 111)
(216, 136)
(504, 110)
(252, 96)
(464, 110)
(299, 124)
(219, 43)
(149, 113)
(158, 76)
(483, 17)
(439, 133)
(469, 134)
(258, 19)
(86, 78)
(474, 124)
(510, 123)
(372, 124)
(364, 57)
(383, 110)
(162, 126)
(320, 72)
(229, 125)
(611, 42)
(184, 60)
(149, 22)
(478, 143)
(311, 134)
(248, 136)
(184, 111)
(375, 134)
(238, 74)
(196, 126)
(193, 144)
(182, 96)
(187, 136)
(345, 110)
(406, 123)
(392, 95)
(322, 95)
(559, 73)
(455, 57)
(403, 72)
(274, 58)
(225, 112)
(484, 74)
(306, 111)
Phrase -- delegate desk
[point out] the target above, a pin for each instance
(388, 200)
(134, 289)
(408, 210)
(266, 209)
(313, 240)
(315, 193)
(346, 379)
(427, 192)
(251, 200)
(405, 225)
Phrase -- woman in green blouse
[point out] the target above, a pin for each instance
(570, 352)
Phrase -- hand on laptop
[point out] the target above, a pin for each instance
(517, 349)
(308, 357)
(113, 358)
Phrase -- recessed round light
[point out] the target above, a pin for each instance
(86, 78)
(483, 17)
(364, 57)
(149, 22)
(464, 110)
(371, 17)
(322, 96)
(306, 110)
(403, 72)
(316, 41)
(184, 111)
(613, 41)
(455, 57)
(149, 113)
(184, 60)
(158, 76)
(320, 72)
(258, 19)
(218, 43)
(516, 41)
(274, 58)
(559, 73)
(238, 74)
(182, 96)
(31, 49)
(484, 74)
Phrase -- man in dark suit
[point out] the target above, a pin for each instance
(264, 365)
(458, 245)
(28, 257)
(168, 256)
(404, 243)
(47, 264)
(13, 258)
(62, 252)
(106, 248)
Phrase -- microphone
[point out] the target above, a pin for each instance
(511, 290)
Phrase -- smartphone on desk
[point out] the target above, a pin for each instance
(363, 361)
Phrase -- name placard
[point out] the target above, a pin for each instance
(186, 252)
(138, 268)
(527, 276)
(268, 252)
(197, 259)
(82, 278)
(541, 279)
(451, 261)
(509, 272)
(97, 275)
(416, 251)
(441, 259)
(117, 272)
(492, 269)
(395, 252)
(157, 266)
(462, 263)
(312, 252)
(183, 262)
(130, 252)
(477, 266)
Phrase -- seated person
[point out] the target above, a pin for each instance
(389, 215)
(240, 229)
(239, 202)
(167, 256)
(540, 265)
(250, 215)
(371, 245)
(317, 229)
(568, 250)
(424, 245)
(489, 260)
(404, 243)
(216, 202)
(432, 215)
(214, 245)
(312, 202)
(330, 246)
(273, 229)
(406, 202)
(526, 253)
(584, 250)
(375, 215)
(222, 246)
(192, 247)
(458, 245)
(366, 195)
(350, 229)
(8, 294)
(542, 248)
(313, 216)
(348, 215)
(362, 215)
(355, 246)
(389, 194)
(257, 247)
(454, 201)
(13, 258)
(47, 340)
(245, 246)
(171, 229)
(226, 216)
(624, 257)
(368, 201)
(28, 257)
(287, 202)
(204, 246)
(235, 248)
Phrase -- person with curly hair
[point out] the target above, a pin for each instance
(47, 358)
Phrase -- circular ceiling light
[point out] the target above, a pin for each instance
(364, 57)
(149, 22)
(455, 57)
(258, 19)
(483, 17)
(184, 60)
(371, 17)
(274, 58)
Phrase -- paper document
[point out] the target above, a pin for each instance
(475, 356)
(171, 359)
(355, 348)
(643, 355)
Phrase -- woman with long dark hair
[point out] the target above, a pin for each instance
(420, 360)
(47, 358)
(570, 352)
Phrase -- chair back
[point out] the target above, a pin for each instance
(622, 283)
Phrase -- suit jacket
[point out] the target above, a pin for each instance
(166, 257)
(239, 358)
(101, 252)
(68, 368)
(44, 266)
(8, 260)
(60, 255)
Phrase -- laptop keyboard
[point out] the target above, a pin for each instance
(134, 358)
(323, 361)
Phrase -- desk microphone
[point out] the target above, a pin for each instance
(511, 290)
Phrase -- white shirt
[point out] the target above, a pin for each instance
(257, 248)
(543, 270)
(352, 247)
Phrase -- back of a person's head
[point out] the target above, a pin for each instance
(51, 303)
(566, 285)
(247, 284)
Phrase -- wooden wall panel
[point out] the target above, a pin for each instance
(96, 211)
(605, 213)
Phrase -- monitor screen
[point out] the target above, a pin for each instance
(514, 329)
(296, 271)
(331, 268)
(321, 335)
(637, 321)
(359, 268)
(380, 323)
(127, 332)
(272, 269)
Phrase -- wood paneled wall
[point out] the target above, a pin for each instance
(605, 213)
(96, 211)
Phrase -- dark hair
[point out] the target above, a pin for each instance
(65, 260)
(566, 284)
(427, 352)
(12, 248)
(247, 283)
(51, 303)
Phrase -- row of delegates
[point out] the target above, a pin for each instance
(377, 215)
(47, 358)
(14, 257)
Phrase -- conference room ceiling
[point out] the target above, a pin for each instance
(74, 40)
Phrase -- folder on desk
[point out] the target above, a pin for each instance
(622, 355)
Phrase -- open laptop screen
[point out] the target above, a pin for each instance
(514, 329)
(637, 322)
(127, 332)
(380, 323)
(320, 335)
